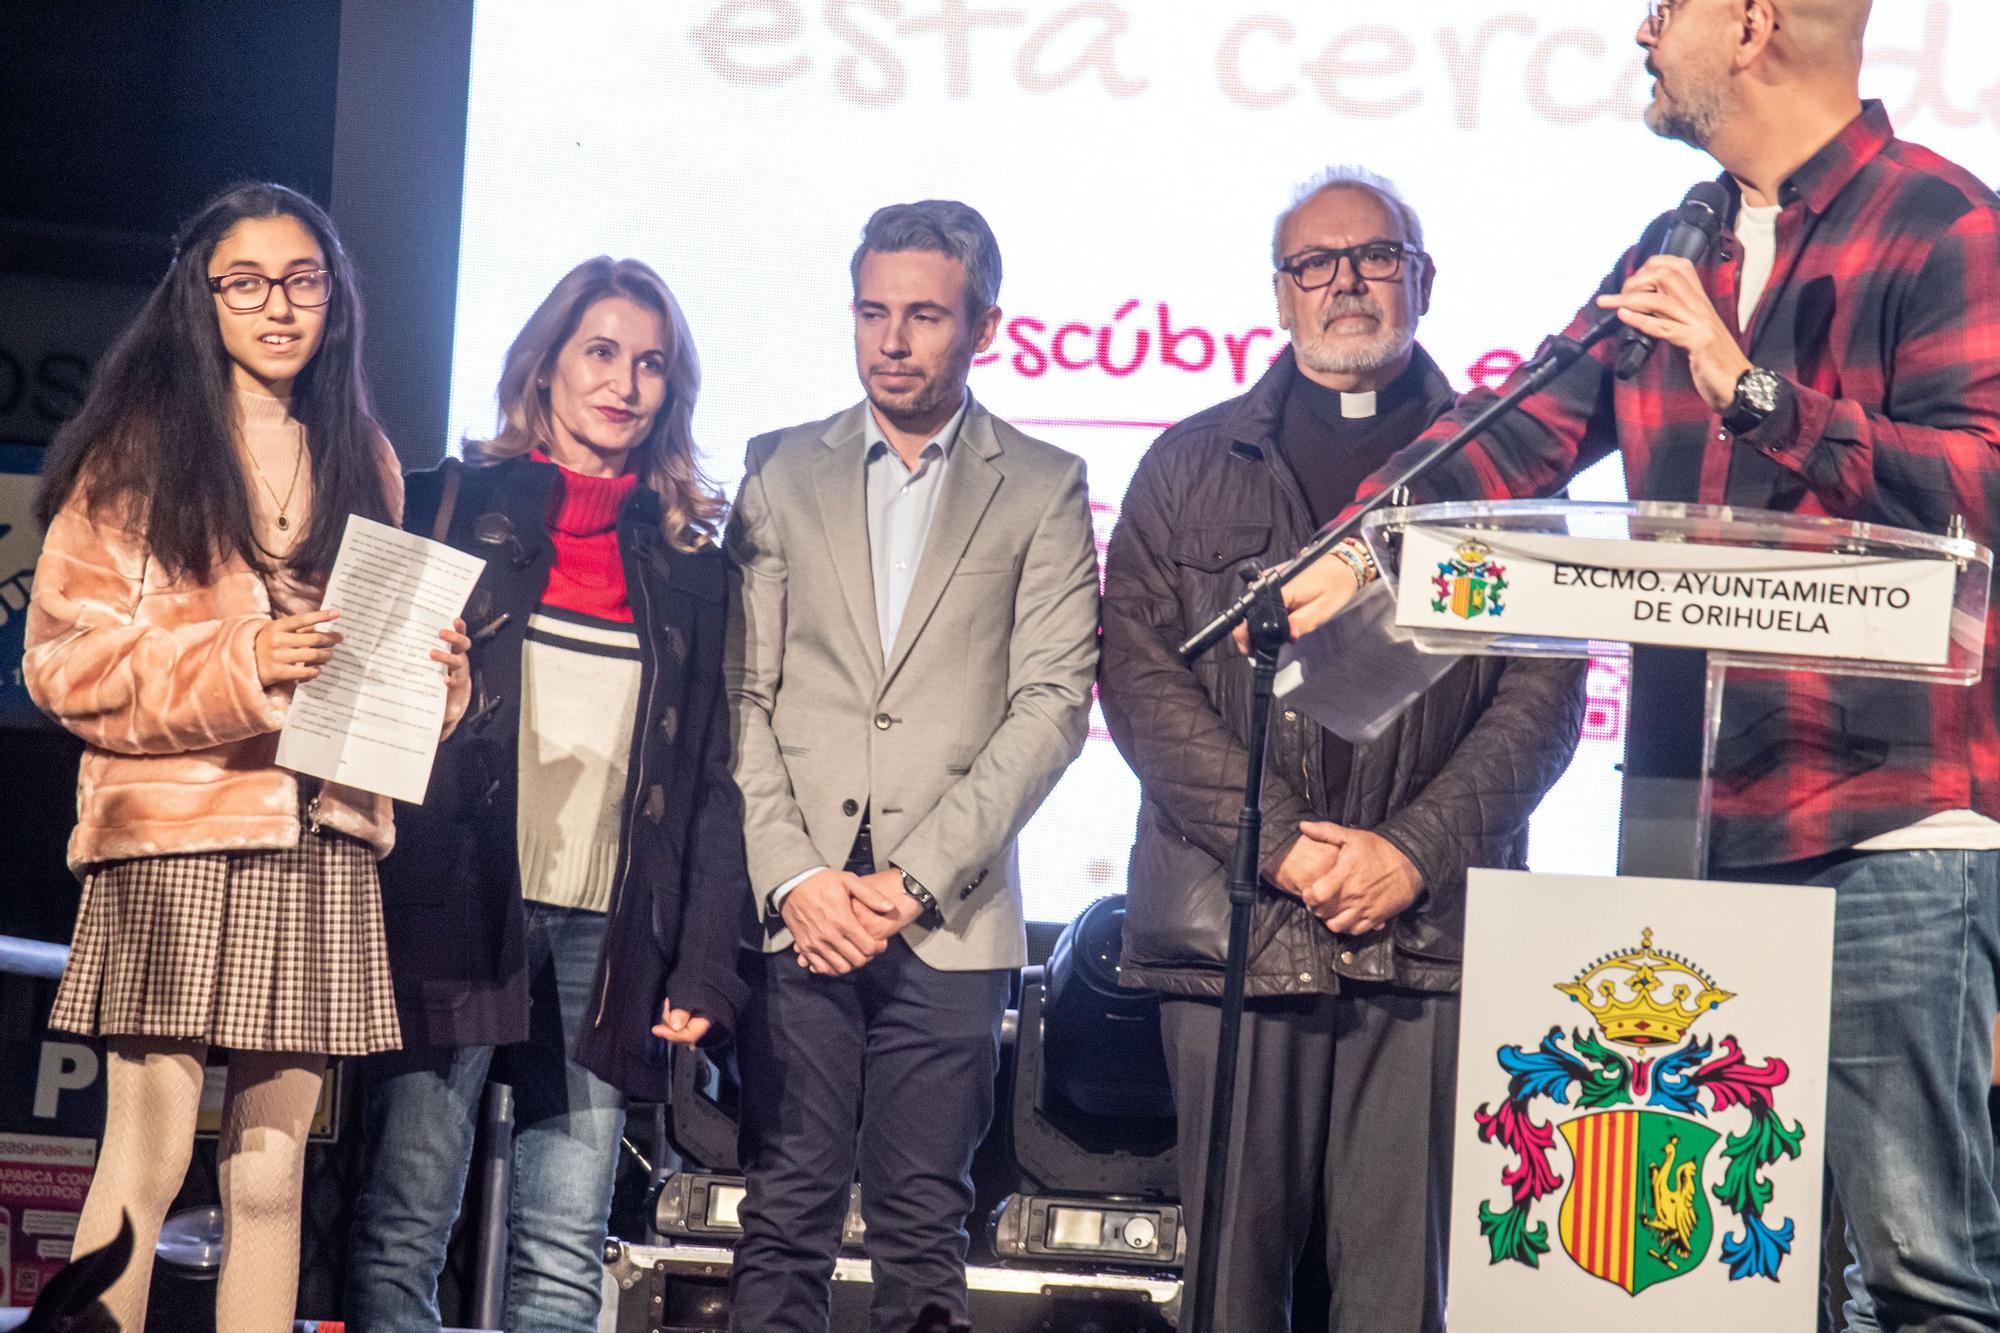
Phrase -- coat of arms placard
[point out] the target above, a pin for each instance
(1640, 1106)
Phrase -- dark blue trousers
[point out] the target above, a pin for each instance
(889, 1070)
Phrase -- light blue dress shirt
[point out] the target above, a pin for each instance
(901, 502)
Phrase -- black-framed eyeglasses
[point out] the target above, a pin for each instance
(245, 292)
(1374, 261)
(1658, 14)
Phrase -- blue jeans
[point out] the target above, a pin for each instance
(1915, 955)
(418, 1119)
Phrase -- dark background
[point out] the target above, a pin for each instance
(118, 118)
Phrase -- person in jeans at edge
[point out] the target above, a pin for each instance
(571, 891)
(1834, 355)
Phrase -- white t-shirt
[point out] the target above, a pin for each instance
(1757, 235)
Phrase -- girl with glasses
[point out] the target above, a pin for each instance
(194, 506)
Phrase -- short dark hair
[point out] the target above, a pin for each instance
(939, 226)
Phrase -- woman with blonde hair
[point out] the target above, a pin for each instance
(569, 896)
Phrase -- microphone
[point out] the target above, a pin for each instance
(1697, 222)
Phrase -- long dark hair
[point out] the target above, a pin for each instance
(153, 448)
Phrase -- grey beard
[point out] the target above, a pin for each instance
(1359, 360)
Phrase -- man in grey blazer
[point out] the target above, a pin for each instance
(913, 637)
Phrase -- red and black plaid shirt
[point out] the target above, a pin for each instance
(1883, 314)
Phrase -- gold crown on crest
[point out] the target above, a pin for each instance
(1472, 552)
(1621, 990)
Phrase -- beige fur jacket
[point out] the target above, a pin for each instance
(158, 677)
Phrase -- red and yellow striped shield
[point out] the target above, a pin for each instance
(1468, 596)
(1636, 1214)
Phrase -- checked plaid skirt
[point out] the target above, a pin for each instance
(259, 951)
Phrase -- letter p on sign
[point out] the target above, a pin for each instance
(66, 1067)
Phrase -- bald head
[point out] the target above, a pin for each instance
(1759, 85)
(1821, 33)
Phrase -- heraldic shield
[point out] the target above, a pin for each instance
(1470, 584)
(1468, 596)
(1636, 1213)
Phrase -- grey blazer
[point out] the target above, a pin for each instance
(983, 702)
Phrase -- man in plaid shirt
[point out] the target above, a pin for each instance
(1837, 354)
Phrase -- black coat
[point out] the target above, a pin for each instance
(1451, 783)
(451, 890)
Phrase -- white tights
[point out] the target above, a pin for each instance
(152, 1092)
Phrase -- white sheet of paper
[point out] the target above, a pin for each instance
(371, 718)
(1357, 673)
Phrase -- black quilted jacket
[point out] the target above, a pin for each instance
(1451, 783)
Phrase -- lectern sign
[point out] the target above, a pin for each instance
(1690, 595)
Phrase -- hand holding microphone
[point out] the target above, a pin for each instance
(1664, 302)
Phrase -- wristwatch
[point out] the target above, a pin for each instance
(924, 897)
(1757, 391)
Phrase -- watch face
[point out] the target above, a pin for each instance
(1758, 391)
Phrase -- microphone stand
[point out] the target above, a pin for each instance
(1262, 611)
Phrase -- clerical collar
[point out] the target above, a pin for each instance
(1334, 407)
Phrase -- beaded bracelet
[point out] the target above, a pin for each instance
(1354, 553)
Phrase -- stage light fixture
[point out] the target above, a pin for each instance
(703, 1206)
(723, 1201)
(1093, 1112)
(1102, 1039)
(693, 1205)
(1109, 1230)
(702, 1110)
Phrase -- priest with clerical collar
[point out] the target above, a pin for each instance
(1345, 1075)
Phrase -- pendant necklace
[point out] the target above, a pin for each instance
(284, 505)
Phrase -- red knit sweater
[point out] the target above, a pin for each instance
(589, 577)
